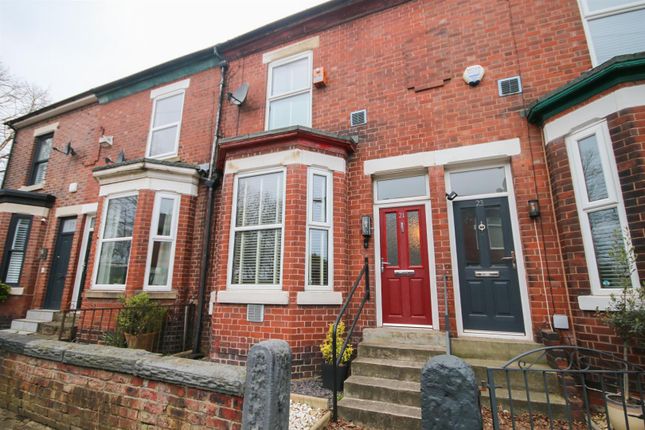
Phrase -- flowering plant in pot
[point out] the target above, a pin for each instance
(140, 321)
(626, 315)
(327, 352)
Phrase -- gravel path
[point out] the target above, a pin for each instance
(303, 416)
(310, 387)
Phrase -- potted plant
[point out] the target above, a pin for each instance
(140, 321)
(328, 364)
(4, 292)
(626, 314)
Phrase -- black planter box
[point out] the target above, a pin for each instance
(327, 376)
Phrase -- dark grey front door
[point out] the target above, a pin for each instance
(488, 281)
(60, 263)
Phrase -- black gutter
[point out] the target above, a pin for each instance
(27, 198)
(210, 182)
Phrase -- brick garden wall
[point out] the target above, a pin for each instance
(70, 396)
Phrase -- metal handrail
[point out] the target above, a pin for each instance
(365, 272)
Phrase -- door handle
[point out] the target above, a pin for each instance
(383, 263)
(511, 258)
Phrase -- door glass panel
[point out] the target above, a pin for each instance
(69, 226)
(391, 239)
(592, 168)
(399, 188)
(471, 241)
(495, 234)
(483, 181)
(414, 238)
(606, 235)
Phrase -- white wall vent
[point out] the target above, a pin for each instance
(509, 86)
(358, 117)
(255, 313)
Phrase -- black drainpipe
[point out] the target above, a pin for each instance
(210, 182)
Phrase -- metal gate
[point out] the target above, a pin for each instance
(566, 387)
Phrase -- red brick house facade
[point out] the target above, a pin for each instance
(353, 109)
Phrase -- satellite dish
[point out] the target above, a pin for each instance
(238, 96)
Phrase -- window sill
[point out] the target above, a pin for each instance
(160, 295)
(34, 187)
(319, 298)
(16, 291)
(593, 303)
(103, 294)
(254, 297)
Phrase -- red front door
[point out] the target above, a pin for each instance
(405, 279)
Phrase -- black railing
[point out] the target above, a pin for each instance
(99, 325)
(560, 387)
(336, 358)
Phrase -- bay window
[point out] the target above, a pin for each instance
(601, 211)
(257, 230)
(115, 242)
(163, 237)
(319, 230)
(289, 92)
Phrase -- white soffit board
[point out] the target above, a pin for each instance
(24, 209)
(616, 101)
(284, 158)
(460, 154)
(295, 48)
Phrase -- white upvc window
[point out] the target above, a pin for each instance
(257, 230)
(319, 260)
(165, 124)
(115, 242)
(613, 27)
(601, 211)
(289, 92)
(163, 239)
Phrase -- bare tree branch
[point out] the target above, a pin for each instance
(17, 98)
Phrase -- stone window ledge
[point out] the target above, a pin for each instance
(160, 295)
(103, 294)
(254, 297)
(35, 187)
(16, 291)
(593, 303)
(319, 298)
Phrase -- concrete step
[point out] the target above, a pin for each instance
(12, 331)
(396, 351)
(44, 315)
(555, 405)
(380, 415)
(388, 369)
(53, 327)
(494, 349)
(535, 380)
(383, 390)
(25, 325)
(406, 336)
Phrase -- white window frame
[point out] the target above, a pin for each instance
(317, 225)
(417, 173)
(156, 97)
(584, 207)
(99, 247)
(154, 225)
(234, 229)
(308, 90)
(599, 14)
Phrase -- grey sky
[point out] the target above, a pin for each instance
(69, 46)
